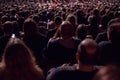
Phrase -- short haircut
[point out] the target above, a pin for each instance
(85, 57)
(30, 26)
(114, 31)
(81, 31)
(8, 27)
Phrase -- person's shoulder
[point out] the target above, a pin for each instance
(57, 73)
(64, 67)
(76, 40)
(104, 43)
(54, 40)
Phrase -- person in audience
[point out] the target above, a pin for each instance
(81, 17)
(56, 25)
(62, 49)
(18, 63)
(109, 72)
(84, 69)
(4, 18)
(16, 29)
(8, 31)
(94, 23)
(73, 20)
(33, 39)
(81, 31)
(109, 50)
(102, 36)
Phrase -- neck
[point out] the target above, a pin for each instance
(85, 68)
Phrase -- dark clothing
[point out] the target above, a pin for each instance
(109, 53)
(51, 33)
(70, 73)
(36, 43)
(6, 74)
(1, 32)
(3, 43)
(57, 54)
(101, 37)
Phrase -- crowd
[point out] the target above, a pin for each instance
(60, 40)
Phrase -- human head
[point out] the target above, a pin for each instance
(81, 31)
(4, 19)
(96, 12)
(17, 55)
(58, 20)
(8, 28)
(66, 29)
(30, 27)
(109, 72)
(113, 32)
(87, 52)
(36, 19)
(72, 18)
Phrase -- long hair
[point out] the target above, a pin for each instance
(19, 62)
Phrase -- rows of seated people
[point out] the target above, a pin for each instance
(44, 42)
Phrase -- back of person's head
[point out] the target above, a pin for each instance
(8, 27)
(79, 12)
(110, 72)
(19, 62)
(58, 20)
(13, 12)
(72, 19)
(104, 22)
(36, 18)
(29, 27)
(66, 29)
(114, 32)
(81, 31)
(4, 19)
(17, 55)
(96, 12)
(87, 52)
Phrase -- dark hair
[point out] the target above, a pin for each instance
(87, 58)
(96, 12)
(109, 72)
(81, 31)
(8, 27)
(4, 19)
(66, 29)
(114, 32)
(29, 27)
(36, 18)
(72, 18)
(18, 58)
(58, 20)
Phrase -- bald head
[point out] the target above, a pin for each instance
(87, 51)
